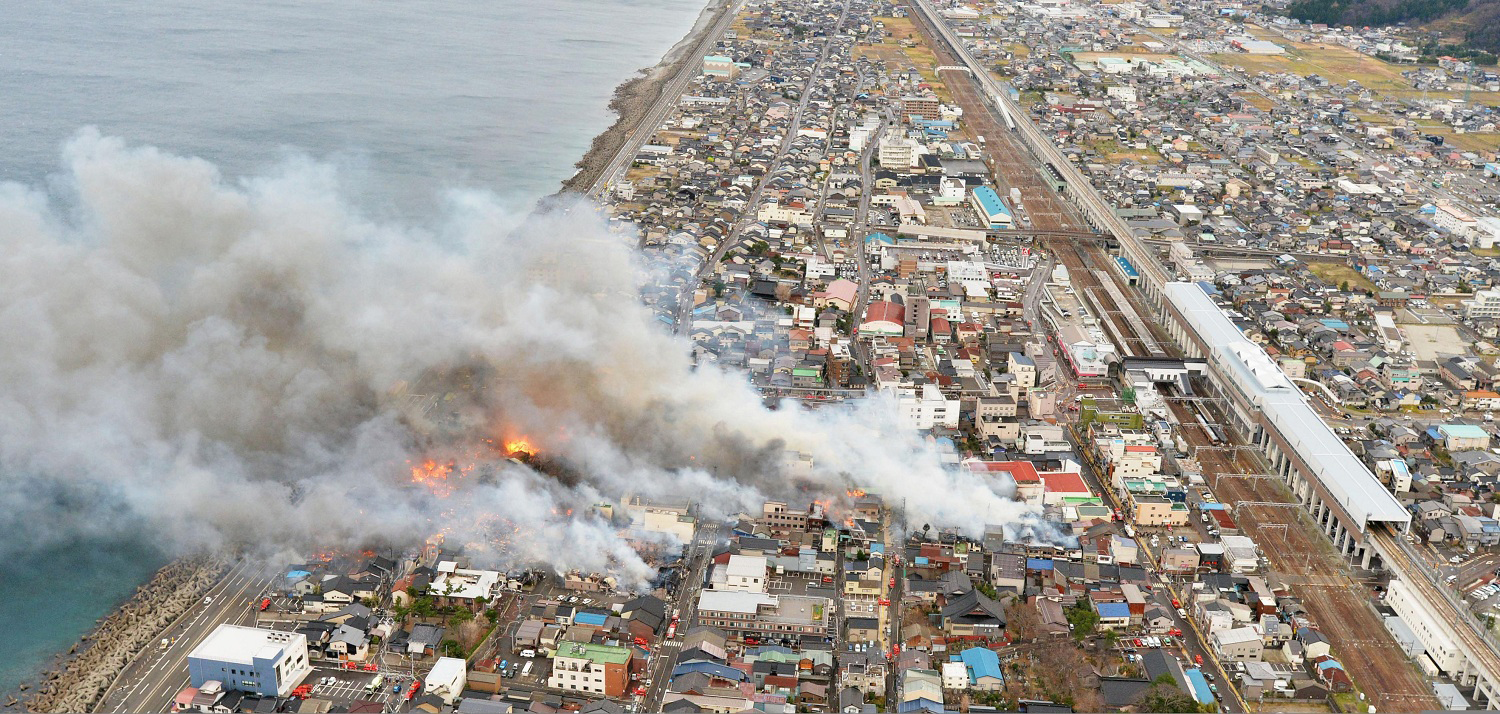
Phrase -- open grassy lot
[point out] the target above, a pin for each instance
(898, 28)
(1335, 64)
(1336, 274)
(1256, 100)
(1113, 151)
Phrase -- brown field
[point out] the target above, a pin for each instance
(1142, 54)
(1471, 141)
(1336, 274)
(1335, 64)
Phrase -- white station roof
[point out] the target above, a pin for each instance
(1343, 476)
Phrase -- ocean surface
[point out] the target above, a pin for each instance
(409, 99)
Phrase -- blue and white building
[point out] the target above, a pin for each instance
(991, 208)
(248, 659)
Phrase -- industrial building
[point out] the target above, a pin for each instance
(991, 208)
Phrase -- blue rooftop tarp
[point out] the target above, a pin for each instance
(1201, 692)
(590, 618)
(710, 668)
(1038, 564)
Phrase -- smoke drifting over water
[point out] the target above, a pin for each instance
(227, 363)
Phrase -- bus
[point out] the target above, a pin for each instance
(526, 671)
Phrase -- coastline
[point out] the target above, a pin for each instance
(635, 97)
(80, 677)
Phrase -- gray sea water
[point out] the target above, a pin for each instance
(408, 98)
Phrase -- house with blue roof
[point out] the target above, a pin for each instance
(920, 704)
(1113, 615)
(711, 669)
(984, 669)
(1332, 673)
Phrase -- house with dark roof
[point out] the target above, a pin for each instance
(972, 613)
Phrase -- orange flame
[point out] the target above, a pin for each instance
(434, 475)
(519, 446)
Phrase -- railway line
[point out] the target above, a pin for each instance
(1015, 165)
(1422, 580)
(1008, 158)
(1124, 326)
(1317, 574)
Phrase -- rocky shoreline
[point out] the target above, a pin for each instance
(635, 97)
(88, 669)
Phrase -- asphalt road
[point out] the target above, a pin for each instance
(1193, 643)
(667, 100)
(156, 676)
(659, 670)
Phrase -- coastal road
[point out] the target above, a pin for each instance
(665, 103)
(149, 683)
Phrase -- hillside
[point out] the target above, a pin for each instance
(1475, 23)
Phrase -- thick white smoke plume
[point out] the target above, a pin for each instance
(226, 363)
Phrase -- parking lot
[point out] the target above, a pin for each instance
(339, 685)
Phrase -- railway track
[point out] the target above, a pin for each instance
(1316, 573)
(1008, 158)
(1121, 325)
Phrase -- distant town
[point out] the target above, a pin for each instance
(1214, 290)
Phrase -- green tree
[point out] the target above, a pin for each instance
(1083, 619)
(1165, 696)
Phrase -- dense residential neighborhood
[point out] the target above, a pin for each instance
(1255, 401)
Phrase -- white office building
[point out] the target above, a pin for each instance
(1484, 304)
(897, 154)
(269, 663)
(928, 409)
(745, 573)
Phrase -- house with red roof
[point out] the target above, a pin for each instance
(1020, 475)
(884, 318)
(1060, 487)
